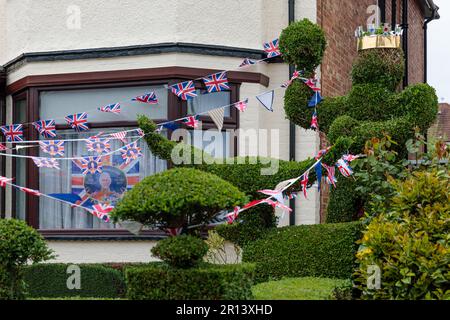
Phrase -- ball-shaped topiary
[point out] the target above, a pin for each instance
(303, 44)
(182, 251)
(177, 198)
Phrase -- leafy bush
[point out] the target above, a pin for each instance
(50, 281)
(182, 251)
(303, 44)
(177, 197)
(19, 245)
(301, 289)
(409, 241)
(206, 282)
(342, 126)
(326, 250)
(345, 204)
(296, 99)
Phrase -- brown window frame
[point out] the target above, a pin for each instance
(31, 86)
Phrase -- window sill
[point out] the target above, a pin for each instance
(101, 235)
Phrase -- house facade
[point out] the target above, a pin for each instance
(64, 57)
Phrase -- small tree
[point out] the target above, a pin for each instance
(19, 245)
(178, 198)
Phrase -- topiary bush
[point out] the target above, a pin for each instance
(326, 250)
(409, 241)
(19, 244)
(182, 251)
(50, 281)
(207, 282)
(345, 204)
(177, 198)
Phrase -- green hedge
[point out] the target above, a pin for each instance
(326, 250)
(345, 203)
(157, 281)
(50, 281)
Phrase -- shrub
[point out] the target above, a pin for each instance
(182, 251)
(341, 127)
(19, 245)
(345, 204)
(301, 289)
(206, 282)
(50, 281)
(409, 241)
(326, 250)
(303, 44)
(177, 197)
(296, 99)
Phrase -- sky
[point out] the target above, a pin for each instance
(439, 52)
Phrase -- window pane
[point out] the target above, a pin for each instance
(20, 174)
(58, 104)
(71, 184)
(217, 144)
(205, 102)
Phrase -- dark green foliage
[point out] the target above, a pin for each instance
(182, 251)
(206, 282)
(303, 44)
(19, 245)
(296, 98)
(342, 127)
(50, 281)
(178, 197)
(345, 204)
(330, 109)
(379, 66)
(369, 102)
(325, 250)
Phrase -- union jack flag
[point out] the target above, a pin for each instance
(112, 108)
(247, 62)
(99, 146)
(53, 148)
(272, 48)
(131, 152)
(78, 121)
(330, 178)
(344, 168)
(322, 152)
(312, 83)
(241, 105)
(304, 184)
(149, 98)
(46, 163)
(350, 157)
(277, 204)
(102, 211)
(277, 194)
(4, 181)
(13, 132)
(314, 122)
(231, 217)
(120, 135)
(140, 132)
(46, 128)
(191, 122)
(184, 90)
(295, 75)
(173, 232)
(91, 165)
(216, 82)
(3, 147)
(30, 191)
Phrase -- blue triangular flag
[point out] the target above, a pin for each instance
(319, 173)
(68, 197)
(266, 99)
(315, 100)
(171, 126)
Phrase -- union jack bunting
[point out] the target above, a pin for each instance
(315, 100)
(91, 165)
(272, 48)
(99, 146)
(120, 135)
(286, 84)
(350, 157)
(322, 152)
(4, 181)
(131, 152)
(231, 217)
(173, 232)
(312, 83)
(277, 194)
(46, 163)
(78, 121)
(30, 191)
(184, 90)
(53, 148)
(112, 108)
(102, 211)
(140, 132)
(46, 128)
(191, 122)
(295, 75)
(241, 105)
(277, 204)
(344, 168)
(252, 204)
(314, 122)
(216, 82)
(13, 132)
(149, 98)
(330, 178)
(304, 184)
(291, 195)
(3, 147)
(247, 62)
(98, 135)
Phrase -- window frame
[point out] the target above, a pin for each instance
(30, 88)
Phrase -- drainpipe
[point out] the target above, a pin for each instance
(292, 127)
(2, 121)
(394, 13)
(425, 44)
(405, 26)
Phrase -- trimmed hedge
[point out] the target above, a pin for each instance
(326, 250)
(345, 203)
(157, 281)
(50, 281)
